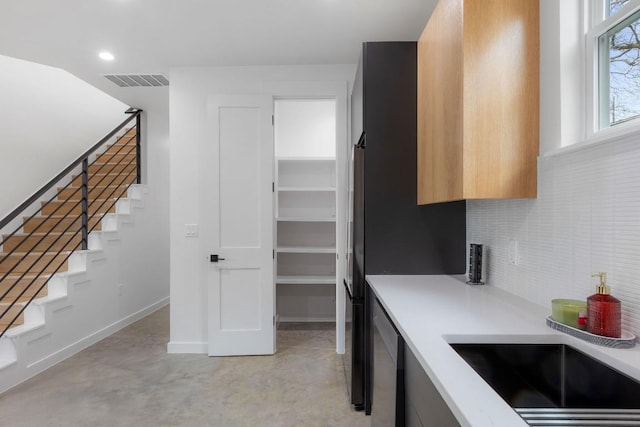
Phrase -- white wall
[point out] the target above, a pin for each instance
(305, 128)
(562, 79)
(189, 90)
(48, 118)
(585, 218)
(155, 173)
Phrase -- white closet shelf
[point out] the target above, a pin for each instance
(306, 159)
(304, 189)
(306, 219)
(306, 280)
(306, 250)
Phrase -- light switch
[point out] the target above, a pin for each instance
(191, 230)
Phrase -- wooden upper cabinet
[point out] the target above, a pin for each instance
(478, 101)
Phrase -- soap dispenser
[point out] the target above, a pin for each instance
(603, 311)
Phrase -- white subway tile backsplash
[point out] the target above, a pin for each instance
(586, 219)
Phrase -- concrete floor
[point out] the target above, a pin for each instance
(128, 379)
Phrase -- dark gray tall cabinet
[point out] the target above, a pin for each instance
(391, 233)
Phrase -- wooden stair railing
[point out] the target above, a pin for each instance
(41, 244)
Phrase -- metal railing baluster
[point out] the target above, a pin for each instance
(85, 204)
(138, 151)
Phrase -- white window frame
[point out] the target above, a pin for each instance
(599, 24)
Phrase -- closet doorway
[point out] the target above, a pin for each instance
(306, 190)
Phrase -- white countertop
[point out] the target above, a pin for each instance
(432, 311)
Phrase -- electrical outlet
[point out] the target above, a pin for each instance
(514, 256)
(120, 286)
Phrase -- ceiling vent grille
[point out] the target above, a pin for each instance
(138, 80)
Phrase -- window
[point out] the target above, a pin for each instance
(619, 80)
(614, 6)
(616, 35)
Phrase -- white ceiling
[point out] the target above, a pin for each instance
(152, 36)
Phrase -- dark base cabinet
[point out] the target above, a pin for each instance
(401, 394)
(424, 407)
(388, 405)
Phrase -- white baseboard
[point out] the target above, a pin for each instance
(101, 334)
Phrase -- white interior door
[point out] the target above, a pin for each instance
(241, 283)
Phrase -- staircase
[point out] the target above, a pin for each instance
(42, 244)
(83, 264)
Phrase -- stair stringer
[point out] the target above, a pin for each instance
(83, 305)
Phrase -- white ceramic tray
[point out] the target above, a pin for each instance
(626, 341)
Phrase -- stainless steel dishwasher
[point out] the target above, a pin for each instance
(387, 396)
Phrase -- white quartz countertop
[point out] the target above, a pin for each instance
(433, 311)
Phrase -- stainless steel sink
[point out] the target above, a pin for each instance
(555, 384)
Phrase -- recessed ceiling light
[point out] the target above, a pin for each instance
(106, 56)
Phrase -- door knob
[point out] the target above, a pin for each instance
(215, 258)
